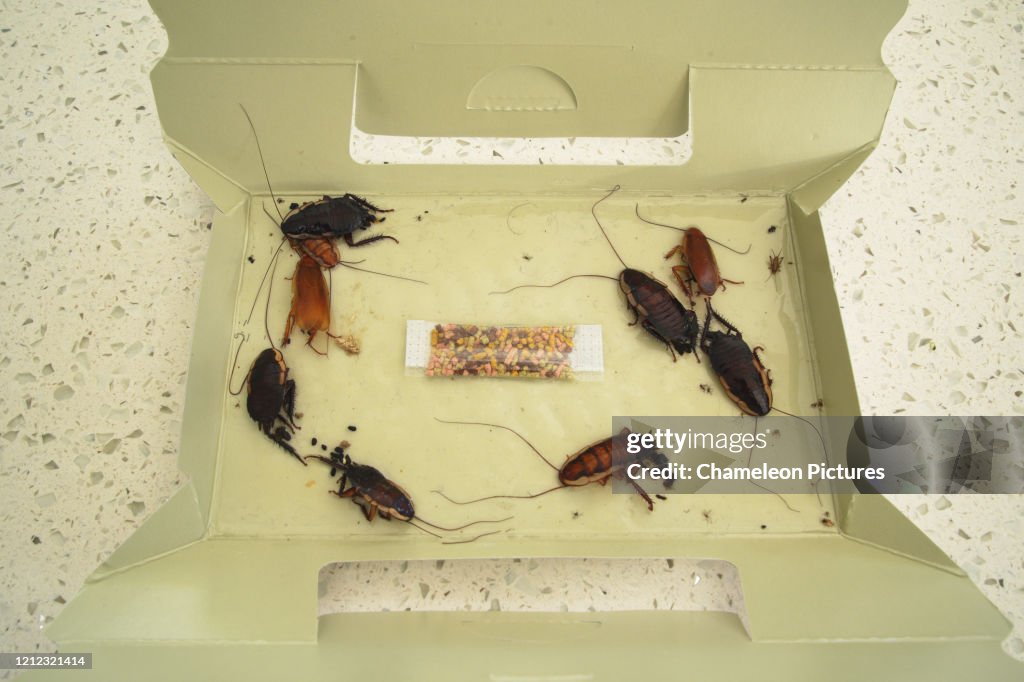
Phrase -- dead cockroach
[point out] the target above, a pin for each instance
(313, 228)
(744, 378)
(774, 264)
(698, 260)
(311, 303)
(326, 218)
(334, 217)
(659, 313)
(653, 305)
(739, 368)
(271, 398)
(377, 495)
(595, 463)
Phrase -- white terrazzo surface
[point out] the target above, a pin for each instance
(106, 240)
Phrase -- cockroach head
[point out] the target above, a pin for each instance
(339, 456)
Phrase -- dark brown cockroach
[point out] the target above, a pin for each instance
(654, 307)
(659, 312)
(271, 399)
(744, 378)
(739, 368)
(774, 264)
(326, 218)
(333, 218)
(311, 303)
(595, 463)
(377, 495)
(698, 260)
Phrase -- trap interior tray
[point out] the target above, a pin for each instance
(466, 247)
(225, 574)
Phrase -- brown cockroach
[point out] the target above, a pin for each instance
(377, 495)
(698, 260)
(595, 463)
(653, 305)
(774, 264)
(311, 295)
(311, 303)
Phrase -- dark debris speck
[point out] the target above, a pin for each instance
(36, 540)
(251, 259)
(351, 428)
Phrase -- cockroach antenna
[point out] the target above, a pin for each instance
(684, 229)
(506, 428)
(263, 163)
(548, 286)
(593, 212)
(234, 363)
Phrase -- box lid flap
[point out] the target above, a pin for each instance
(773, 93)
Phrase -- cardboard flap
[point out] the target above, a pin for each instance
(754, 130)
(773, 93)
(626, 63)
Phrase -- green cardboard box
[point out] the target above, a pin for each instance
(781, 102)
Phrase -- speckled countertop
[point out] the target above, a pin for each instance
(106, 241)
